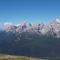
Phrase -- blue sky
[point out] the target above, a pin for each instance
(34, 11)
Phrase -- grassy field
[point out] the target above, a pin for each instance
(10, 57)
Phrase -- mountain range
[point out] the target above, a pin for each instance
(53, 28)
(40, 40)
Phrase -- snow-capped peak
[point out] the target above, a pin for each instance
(8, 23)
(53, 27)
(57, 20)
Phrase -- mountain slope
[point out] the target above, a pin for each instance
(38, 40)
(30, 44)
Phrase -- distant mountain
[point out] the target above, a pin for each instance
(53, 28)
(41, 40)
